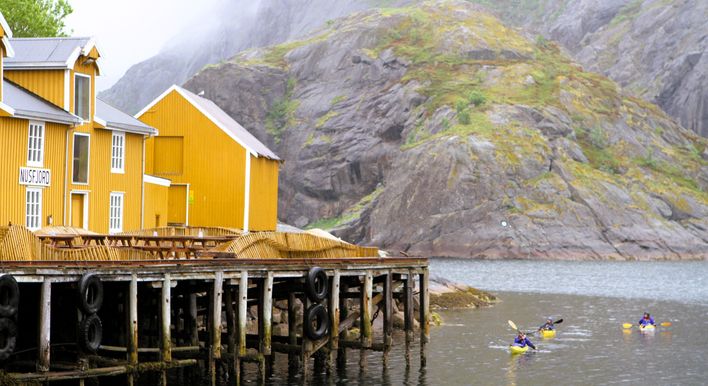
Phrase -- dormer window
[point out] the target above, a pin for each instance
(82, 96)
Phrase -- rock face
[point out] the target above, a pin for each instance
(653, 48)
(239, 25)
(437, 131)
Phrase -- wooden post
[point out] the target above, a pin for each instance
(166, 322)
(231, 328)
(424, 308)
(45, 314)
(215, 324)
(267, 313)
(193, 328)
(343, 314)
(241, 315)
(334, 321)
(408, 306)
(387, 316)
(366, 310)
(132, 325)
(293, 359)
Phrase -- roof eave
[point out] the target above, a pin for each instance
(55, 118)
(8, 47)
(35, 65)
(130, 128)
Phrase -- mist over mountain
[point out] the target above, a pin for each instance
(236, 26)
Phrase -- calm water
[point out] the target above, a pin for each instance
(594, 299)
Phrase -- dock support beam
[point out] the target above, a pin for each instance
(387, 316)
(45, 314)
(408, 306)
(424, 308)
(334, 321)
(293, 359)
(132, 329)
(366, 313)
(242, 312)
(215, 324)
(166, 322)
(265, 318)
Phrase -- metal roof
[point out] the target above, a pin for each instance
(221, 119)
(113, 118)
(60, 53)
(29, 106)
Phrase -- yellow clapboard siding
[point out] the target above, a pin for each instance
(14, 135)
(213, 163)
(263, 212)
(177, 204)
(156, 198)
(170, 161)
(48, 84)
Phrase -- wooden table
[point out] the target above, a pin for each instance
(188, 246)
(57, 240)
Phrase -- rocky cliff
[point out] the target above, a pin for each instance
(436, 130)
(655, 49)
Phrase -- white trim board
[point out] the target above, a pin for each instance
(148, 179)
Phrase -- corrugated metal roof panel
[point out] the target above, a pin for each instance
(30, 106)
(46, 52)
(115, 118)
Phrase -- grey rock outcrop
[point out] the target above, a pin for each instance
(398, 136)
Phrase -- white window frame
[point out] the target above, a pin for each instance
(73, 148)
(76, 74)
(33, 215)
(35, 156)
(115, 212)
(118, 152)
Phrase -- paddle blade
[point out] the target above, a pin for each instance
(513, 325)
(558, 321)
(666, 324)
(627, 325)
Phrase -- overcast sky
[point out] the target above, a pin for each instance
(130, 31)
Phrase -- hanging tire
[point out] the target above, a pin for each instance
(9, 296)
(8, 338)
(316, 284)
(90, 333)
(316, 322)
(90, 293)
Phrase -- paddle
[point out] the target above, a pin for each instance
(513, 325)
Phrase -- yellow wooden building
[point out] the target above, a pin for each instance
(221, 175)
(67, 157)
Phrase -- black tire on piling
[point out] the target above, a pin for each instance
(316, 284)
(90, 293)
(90, 333)
(316, 322)
(8, 338)
(9, 296)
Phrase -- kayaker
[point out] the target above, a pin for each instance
(548, 325)
(522, 341)
(646, 320)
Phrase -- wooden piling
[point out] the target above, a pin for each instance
(343, 315)
(165, 322)
(230, 328)
(408, 305)
(215, 324)
(366, 310)
(387, 316)
(45, 313)
(424, 307)
(334, 320)
(267, 313)
(293, 359)
(132, 338)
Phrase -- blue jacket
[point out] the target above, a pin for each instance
(644, 322)
(523, 342)
(547, 326)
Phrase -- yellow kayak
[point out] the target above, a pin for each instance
(518, 349)
(548, 334)
(647, 329)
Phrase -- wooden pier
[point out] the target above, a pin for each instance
(190, 320)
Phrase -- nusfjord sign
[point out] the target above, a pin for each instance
(36, 177)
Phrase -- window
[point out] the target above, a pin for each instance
(117, 152)
(81, 158)
(33, 208)
(82, 96)
(115, 217)
(35, 144)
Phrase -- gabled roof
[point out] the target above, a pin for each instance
(5, 38)
(50, 53)
(114, 119)
(26, 105)
(224, 121)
